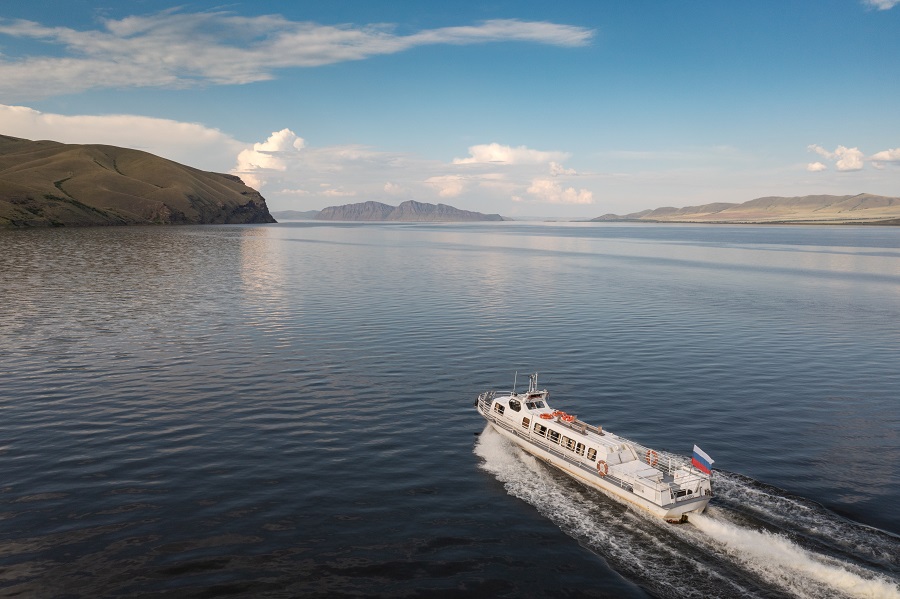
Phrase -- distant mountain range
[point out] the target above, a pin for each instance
(861, 208)
(46, 183)
(409, 211)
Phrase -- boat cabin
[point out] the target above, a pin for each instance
(661, 479)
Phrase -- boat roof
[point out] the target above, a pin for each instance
(539, 405)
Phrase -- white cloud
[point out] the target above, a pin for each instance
(281, 141)
(886, 156)
(557, 169)
(338, 193)
(881, 4)
(507, 30)
(176, 49)
(268, 155)
(852, 159)
(551, 192)
(495, 153)
(845, 159)
(394, 189)
(447, 186)
(849, 159)
(284, 161)
(188, 143)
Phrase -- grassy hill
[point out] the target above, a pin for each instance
(46, 183)
(861, 208)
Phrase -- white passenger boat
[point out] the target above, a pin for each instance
(667, 485)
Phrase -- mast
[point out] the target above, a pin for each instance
(532, 382)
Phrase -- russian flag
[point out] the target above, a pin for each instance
(702, 461)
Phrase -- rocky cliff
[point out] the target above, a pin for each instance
(46, 183)
(409, 211)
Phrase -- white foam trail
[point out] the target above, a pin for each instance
(779, 560)
(807, 518)
(641, 546)
(629, 539)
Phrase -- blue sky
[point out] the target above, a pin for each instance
(568, 109)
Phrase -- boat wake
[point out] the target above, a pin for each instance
(754, 541)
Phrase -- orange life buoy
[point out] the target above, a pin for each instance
(568, 418)
(652, 457)
(559, 413)
(602, 468)
(547, 416)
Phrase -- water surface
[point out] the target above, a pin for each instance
(287, 410)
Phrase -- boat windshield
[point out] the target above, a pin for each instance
(534, 405)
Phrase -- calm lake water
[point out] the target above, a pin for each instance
(286, 410)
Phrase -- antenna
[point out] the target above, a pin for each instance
(515, 378)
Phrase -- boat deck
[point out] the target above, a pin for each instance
(661, 478)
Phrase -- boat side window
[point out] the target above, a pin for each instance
(579, 448)
(540, 429)
(514, 405)
(538, 404)
(568, 443)
(592, 454)
(499, 408)
(552, 436)
(525, 423)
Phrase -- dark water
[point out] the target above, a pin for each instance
(286, 410)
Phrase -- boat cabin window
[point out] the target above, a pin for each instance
(525, 422)
(534, 405)
(592, 454)
(574, 446)
(553, 436)
(499, 408)
(540, 429)
(514, 405)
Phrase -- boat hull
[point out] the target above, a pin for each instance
(695, 506)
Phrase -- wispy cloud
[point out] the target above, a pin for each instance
(881, 4)
(495, 153)
(175, 49)
(879, 159)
